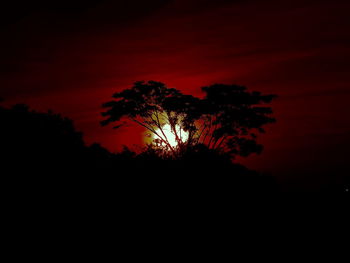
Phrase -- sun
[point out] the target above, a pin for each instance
(170, 136)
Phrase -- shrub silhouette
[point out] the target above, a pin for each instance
(43, 154)
(36, 137)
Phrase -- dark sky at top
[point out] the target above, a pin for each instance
(71, 56)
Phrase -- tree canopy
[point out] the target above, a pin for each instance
(227, 119)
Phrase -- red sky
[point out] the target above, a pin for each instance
(72, 57)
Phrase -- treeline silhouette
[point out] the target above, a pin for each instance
(43, 153)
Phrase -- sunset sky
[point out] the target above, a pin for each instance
(72, 57)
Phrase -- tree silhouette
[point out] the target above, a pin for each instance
(151, 105)
(232, 117)
(226, 120)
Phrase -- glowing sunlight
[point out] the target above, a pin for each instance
(170, 136)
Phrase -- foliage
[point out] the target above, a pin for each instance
(227, 119)
(43, 155)
(37, 137)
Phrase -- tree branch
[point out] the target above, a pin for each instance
(209, 128)
(152, 130)
(158, 124)
(173, 127)
(212, 135)
(201, 132)
(223, 139)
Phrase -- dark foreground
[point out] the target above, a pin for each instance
(44, 158)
